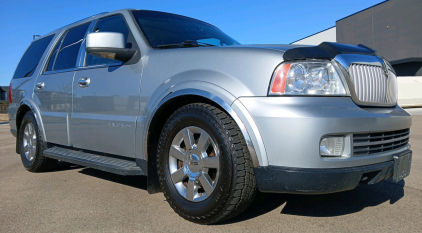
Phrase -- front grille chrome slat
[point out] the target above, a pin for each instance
(380, 148)
(371, 143)
(365, 138)
(379, 142)
(370, 83)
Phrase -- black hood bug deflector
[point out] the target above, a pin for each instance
(326, 51)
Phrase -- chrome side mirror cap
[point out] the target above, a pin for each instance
(110, 45)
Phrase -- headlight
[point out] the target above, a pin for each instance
(307, 78)
(392, 85)
(392, 88)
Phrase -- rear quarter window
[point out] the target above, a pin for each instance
(31, 57)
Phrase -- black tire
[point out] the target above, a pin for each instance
(236, 186)
(39, 163)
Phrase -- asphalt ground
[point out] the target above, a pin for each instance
(77, 199)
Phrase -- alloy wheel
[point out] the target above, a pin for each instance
(194, 163)
(29, 142)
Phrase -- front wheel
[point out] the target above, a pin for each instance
(204, 165)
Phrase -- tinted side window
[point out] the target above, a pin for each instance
(32, 57)
(69, 49)
(110, 24)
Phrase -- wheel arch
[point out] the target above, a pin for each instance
(25, 106)
(166, 107)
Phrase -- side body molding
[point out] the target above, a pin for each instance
(226, 106)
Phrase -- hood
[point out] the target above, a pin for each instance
(324, 51)
(278, 47)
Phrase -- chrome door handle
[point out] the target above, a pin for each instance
(40, 85)
(84, 82)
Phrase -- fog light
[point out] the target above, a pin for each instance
(332, 146)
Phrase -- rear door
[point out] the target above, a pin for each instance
(53, 91)
(106, 98)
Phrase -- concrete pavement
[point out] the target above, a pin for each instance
(78, 199)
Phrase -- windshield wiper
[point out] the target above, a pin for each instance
(185, 44)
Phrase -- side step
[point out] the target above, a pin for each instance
(103, 163)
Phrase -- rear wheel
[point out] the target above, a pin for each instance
(204, 166)
(31, 146)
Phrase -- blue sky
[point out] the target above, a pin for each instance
(247, 21)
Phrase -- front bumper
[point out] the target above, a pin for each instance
(291, 129)
(277, 179)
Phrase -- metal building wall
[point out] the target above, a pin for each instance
(393, 28)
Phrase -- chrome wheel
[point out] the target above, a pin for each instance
(194, 163)
(29, 142)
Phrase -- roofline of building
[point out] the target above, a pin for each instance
(362, 10)
(313, 34)
(341, 19)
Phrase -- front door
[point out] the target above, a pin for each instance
(106, 99)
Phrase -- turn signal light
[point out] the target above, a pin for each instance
(279, 80)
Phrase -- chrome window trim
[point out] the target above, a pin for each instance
(80, 62)
(58, 71)
(99, 66)
(55, 57)
(345, 60)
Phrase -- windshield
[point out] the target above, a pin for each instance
(162, 29)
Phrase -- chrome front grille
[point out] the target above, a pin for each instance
(372, 143)
(371, 85)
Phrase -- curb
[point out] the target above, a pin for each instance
(411, 106)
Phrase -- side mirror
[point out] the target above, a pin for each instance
(110, 45)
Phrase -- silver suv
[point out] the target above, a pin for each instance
(209, 121)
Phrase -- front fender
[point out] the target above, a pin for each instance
(221, 98)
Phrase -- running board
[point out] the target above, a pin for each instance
(109, 164)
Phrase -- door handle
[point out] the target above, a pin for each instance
(84, 82)
(40, 85)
